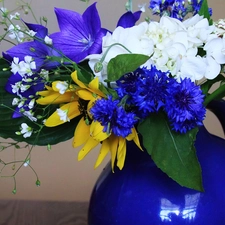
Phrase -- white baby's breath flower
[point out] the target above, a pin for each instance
(31, 33)
(25, 67)
(15, 101)
(27, 163)
(15, 65)
(25, 130)
(15, 33)
(62, 86)
(44, 74)
(3, 11)
(16, 16)
(30, 115)
(31, 104)
(63, 114)
(48, 40)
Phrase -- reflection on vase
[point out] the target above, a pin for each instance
(188, 212)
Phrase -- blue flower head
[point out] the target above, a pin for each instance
(172, 8)
(184, 105)
(113, 117)
(145, 88)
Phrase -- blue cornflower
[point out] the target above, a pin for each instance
(172, 8)
(184, 105)
(113, 117)
(145, 88)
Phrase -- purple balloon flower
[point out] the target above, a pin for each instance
(80, 35)
(129, 19)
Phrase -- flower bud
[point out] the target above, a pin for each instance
(98, 67)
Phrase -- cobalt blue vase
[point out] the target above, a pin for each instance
(141, 194)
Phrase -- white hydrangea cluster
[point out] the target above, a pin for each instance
(188, 49)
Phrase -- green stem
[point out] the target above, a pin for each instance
(129, 6)
(219, 93)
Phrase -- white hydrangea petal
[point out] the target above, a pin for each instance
(213, 68)
(193, 68)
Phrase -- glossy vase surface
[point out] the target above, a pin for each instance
(141, 194)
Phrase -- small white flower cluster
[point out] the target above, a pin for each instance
(172, 46)
(25, 130)
(16, 33)
(25, 70)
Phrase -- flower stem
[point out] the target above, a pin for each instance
(129, 5)
(219, 93)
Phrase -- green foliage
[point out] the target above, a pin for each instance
(172, 152)
(204, 11)
(8, 126)
(123, 64)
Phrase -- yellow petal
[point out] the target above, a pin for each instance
(72, 112)
(135, 138)
(96, 131)
(81, 133)
(90, 144)
(103, 152)
(56, 98)
(113, 143)
(45, 93)
(75, 79)
(121, 153)
(84, 94)
(94, 87)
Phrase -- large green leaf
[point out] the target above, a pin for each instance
(123, 64)
(204, 11)
(172, 152)
(9, 126)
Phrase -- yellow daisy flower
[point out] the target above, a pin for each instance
(69, 99)
(110, 143)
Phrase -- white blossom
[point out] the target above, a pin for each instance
(29, 115)
(45, 74)
(15, 33)
(4, 12)
(62, 86)
(16, 16)
(23, 67)
(48, 40)
(63, 114)
(26, 131)
(31, 33)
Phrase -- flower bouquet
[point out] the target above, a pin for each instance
(146, 81)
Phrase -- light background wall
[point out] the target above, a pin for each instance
(62, 177)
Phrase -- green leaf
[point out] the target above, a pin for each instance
(204, 11)
(123, 64)
(172, 152)
(9, 126)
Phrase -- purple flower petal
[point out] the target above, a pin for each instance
(80, 35)
(129, 19)
(40, 30)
